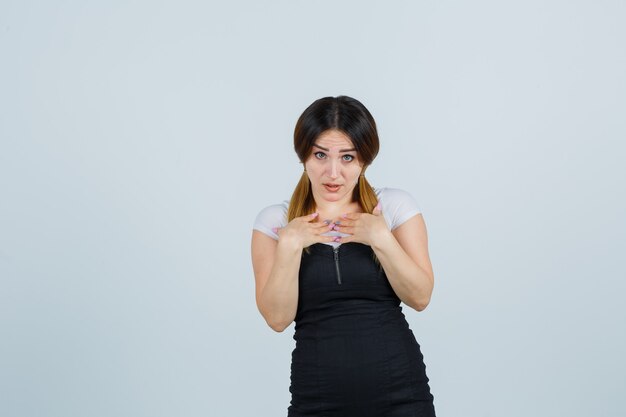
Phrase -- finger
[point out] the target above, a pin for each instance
(345, 229)
(309, 217)
(323, 226)
(324, 238)
(351, 216)
(344, 239)
(328, 239)
(276, 229)
(322, 229)
(328, 222)
(344, 222)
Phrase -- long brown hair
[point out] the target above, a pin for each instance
(350, 117)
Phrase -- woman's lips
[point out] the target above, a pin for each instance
(332, 187)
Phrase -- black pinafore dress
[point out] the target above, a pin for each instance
(355, 354)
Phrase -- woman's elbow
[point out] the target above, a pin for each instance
(421, 301)
(275, 322)
(278, 327)
(420, 304)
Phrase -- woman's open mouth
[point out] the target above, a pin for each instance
(332, 187)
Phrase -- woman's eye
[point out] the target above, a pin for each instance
(348, 157)
(320, 155)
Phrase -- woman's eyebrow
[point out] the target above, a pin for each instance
(328, 150)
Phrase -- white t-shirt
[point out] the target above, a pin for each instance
(397, 206)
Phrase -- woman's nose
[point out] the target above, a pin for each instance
(333, 169)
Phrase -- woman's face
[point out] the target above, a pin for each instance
(333, 167)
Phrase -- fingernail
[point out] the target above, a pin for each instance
(344, 215)
(275, 229)
(337, 239)
(314, 214)
(378, 206)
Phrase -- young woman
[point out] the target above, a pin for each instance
(338, 258)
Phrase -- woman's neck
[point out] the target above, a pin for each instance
(333, 210)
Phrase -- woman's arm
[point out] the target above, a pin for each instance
(276, 265)
(404, 256)
(402, 253)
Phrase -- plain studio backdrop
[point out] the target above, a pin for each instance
(139, 139)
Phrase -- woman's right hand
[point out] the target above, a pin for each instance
(304, 231)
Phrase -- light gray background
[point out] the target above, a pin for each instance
(140, 139)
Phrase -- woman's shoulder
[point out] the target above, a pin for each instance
(394, 195)
(271, 216)
(389, 192)
(397, 205)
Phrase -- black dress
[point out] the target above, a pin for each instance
(355, 354)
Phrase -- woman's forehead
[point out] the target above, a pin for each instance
(335, 141)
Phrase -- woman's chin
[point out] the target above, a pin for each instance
(330, 197)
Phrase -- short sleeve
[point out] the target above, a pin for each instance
(270, 217)
(398, 206)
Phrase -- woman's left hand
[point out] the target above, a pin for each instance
(363, 227)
